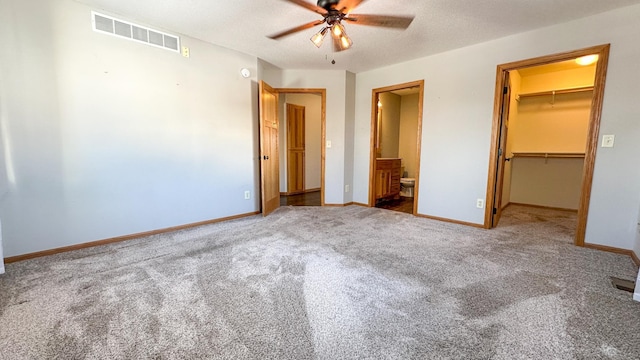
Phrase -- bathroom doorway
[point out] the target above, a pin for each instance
(566, 150)
(301, 138)
(396, 133)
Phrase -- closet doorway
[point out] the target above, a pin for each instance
(396, 132)
(301, 138)
(545, 133)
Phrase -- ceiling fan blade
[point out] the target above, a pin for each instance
(398, 22)
(296, 29)
(308, 6)
(347, 6)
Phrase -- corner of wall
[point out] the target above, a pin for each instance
(349, 134)
(636, 295)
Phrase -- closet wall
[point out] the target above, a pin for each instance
(399, 129)
(408, 147)
(547, 136)
(389, 112)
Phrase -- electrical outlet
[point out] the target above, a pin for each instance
(480, 203)
(608, 140)
(247, 195)
(346, 188)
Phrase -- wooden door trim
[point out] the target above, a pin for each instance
(592, 137)
(323, 120)
(372, 139)
(502, 144)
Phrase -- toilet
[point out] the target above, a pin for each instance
(406, 186)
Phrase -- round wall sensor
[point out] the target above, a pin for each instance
(245, 72)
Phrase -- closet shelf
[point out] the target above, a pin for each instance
(556, 92)
(547, 155)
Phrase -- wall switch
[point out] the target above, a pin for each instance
(247, 195)
(346, 188)
(328, 144)
(608, 140)
(480, 203)
(185, 51)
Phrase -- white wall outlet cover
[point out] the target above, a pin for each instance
(608, 140)
(245, 72)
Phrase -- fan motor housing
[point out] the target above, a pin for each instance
(328, 4)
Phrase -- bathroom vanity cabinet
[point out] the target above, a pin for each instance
(387, 178)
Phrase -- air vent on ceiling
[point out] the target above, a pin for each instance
(107, 24)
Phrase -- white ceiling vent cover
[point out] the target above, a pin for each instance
(120, 28)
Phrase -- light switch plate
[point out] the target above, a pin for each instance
(608, 140)
(328, 144)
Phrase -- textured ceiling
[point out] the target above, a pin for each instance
(439, 25)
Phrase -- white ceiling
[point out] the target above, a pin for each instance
(439, 25)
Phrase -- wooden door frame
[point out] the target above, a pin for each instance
(372, 148)
(593, 132)
(323, 120)
(502, 144)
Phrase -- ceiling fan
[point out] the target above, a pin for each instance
(333, 13)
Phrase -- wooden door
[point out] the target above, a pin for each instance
(269, 163)
(502, 148)
(295, 148)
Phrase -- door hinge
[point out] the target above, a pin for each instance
(499, 152)
(495, 211)
(505, 90)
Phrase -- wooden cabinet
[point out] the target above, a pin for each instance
(387, 178)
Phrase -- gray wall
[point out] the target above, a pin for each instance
(104, 137)
(458, 111)
(349, 134)
(110, 137)
(338, 157)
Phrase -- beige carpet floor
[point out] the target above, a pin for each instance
(327, 283)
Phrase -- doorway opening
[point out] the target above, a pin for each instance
(301, 138)
(273, 138)
(545, 134)
(396, 134)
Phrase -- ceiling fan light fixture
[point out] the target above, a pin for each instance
(337, 30)
(333, 12)
(345, 42)
(318, 38)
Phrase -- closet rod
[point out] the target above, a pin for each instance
(548, 155)
(557, 92)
